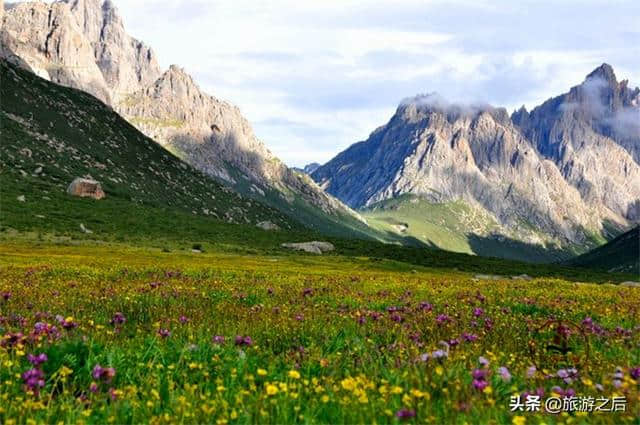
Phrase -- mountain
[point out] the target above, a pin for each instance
(592, 133)
(310, 168)
(622, 254)
(83, 44)
(52, 134)
(531, 180)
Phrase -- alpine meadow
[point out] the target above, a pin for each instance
(371, 239)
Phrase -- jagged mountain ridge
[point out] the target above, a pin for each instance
(538, 192)
(83, 44)
(582, 130)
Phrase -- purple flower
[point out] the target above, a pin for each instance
(480, 384)
(5, 295)
(477, 312)
(37, 360)
(469, 337)
(483, 361)
(93, 387)
(218, 339)
(397, 318)
(504, 374)
(562, 373)
(531, 371)
(243, 340)
(105, 374)
(183, 319)
(635, 373)
(480, 374)
(439, 354)
(405, 414)
(164, 333)
(33, 380)
(118, 319)
(307, 292)
(442, 318)
(425, 306)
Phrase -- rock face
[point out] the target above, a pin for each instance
(83, 44)
(46, 39)
(86, 188)
(592, 133)
(556, 174)
(313, 247)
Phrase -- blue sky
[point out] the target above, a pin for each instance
(313, 77)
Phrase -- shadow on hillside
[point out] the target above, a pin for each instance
(502, 247)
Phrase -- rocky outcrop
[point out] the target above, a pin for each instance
(313, 247)
(46, 39)
(126, 63)
(86, 188)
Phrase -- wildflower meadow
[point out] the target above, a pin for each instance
(139, 336)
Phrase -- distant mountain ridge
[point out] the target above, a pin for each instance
(563, 174)
(83, 44)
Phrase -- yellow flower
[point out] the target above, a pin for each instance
(519, 420)
(439, 370)
(348, 384)
(325, 399)
(294, 374)
(271, 389)
(262, 372)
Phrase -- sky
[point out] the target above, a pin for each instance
(314, 77)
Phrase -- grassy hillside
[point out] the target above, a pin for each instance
(622, 254)
(52, 134)
(452, 226)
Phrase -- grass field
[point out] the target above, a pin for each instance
(138, 335)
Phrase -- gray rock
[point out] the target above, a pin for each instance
(488, 277)
(84, 229)
(522, 277)
(631, 284)
(21, 198)
(313, 247)
(267, 225)
(86, 188)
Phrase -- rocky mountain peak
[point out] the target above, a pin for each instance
(604, 72)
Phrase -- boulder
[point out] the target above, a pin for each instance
(488, 277)
(522, 277)
(631, 284)
(86, 188)
(313, 247)
(267, 225)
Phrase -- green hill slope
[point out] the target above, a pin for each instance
(53, 134)
(452, 226)
(622, 254)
